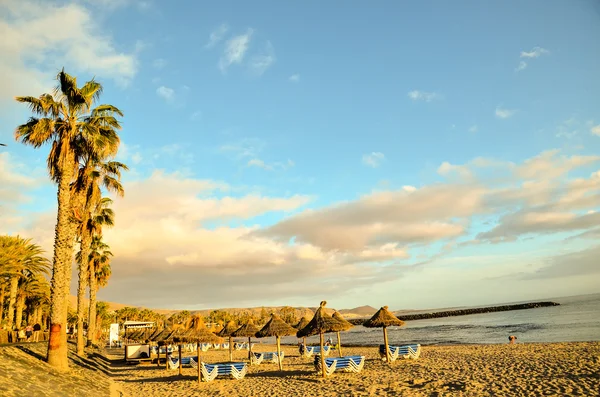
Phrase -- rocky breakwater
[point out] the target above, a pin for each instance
(465, 312)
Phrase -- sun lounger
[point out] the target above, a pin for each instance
(266, 357)
(241, 346)
(225, 345)
(173, 363)
(310, 350)
(211, 371)
(205, 346)
(405, 351)
(347, 364)
(216, 346)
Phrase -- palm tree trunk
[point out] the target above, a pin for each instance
(81, 287)
(19, 310)
(12, 300)
(61, 270)
(2, 294)
(92, 314)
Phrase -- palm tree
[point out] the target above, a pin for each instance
(31, 287)
(65, 119)
(87, 191)
(19, 258)
(99, 274)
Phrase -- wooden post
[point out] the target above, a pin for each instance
(158, 358)
(230, 349)
(279, 354)
(249, 350)
(386, 346)
(198, 350)
(339, 344)
(322, 357)
(179, 348)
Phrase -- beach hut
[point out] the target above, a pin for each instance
(320, 324)
(226, 331)
(276, 327)
(247, 330)
(383, 319)
(340, 319)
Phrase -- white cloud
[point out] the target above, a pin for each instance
(294, 78)
(417, 95)
(259, 163)
(474, 128)
(535, 52)
(276, 166)
(261, 62)
(247, 147)
(217, 35)
(522, 66)
(373, 159)
(197, 115)
(235, 50)
(595, 130)
(168, 94)
(503, 113)
(159, 63)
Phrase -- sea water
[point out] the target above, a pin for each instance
(577, 319)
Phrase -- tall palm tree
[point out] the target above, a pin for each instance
(99, 274)
(93, 173)
(19, 258)
(64, 119)
(30, 287)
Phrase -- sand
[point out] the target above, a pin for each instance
(557, 369)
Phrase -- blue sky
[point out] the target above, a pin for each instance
(316, 151)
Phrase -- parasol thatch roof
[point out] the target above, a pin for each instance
(302, 323)
(276, 327)
(340, 319)
(202, 335)
(320, 323)
(383, 318)
(154, 333)
(228, 329)
(247, 330)
(164, 336)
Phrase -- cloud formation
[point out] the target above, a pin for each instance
(503, 113)
(417, 95)
(166, 93)
(294, 78)
(235, 50)
(217, 35)
(263, 61)
(595, 130)
(373, 159)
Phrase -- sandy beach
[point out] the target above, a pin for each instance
(559, 369)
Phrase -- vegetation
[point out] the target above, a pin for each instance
(83, 138)
(22, 270)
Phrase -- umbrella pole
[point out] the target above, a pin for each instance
(322, 357)
(158, 357)
(179, 347)
(339, 344)
(249, 350)
(230, 349)
(279, 354)
(199, 365)
(385, 343)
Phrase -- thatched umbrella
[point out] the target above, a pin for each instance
(301, 324)
(320, 324)
(247, 330)
(201, 334)
(226, 331)
(162, 339)
(276, 327)
(340, 319)
(383, 319)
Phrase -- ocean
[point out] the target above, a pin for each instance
(577, 319)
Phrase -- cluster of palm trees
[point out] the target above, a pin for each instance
(83, 143)
(24, 292)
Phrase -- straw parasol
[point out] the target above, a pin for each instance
(301, 324)
(383, 319)
(201, 334)
(276, 327)
(247, 330)
(340, 319)
(162, 339)
(320, 324)
(227, 330)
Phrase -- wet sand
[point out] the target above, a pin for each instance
(562, 369)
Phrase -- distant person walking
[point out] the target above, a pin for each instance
(37, 328)
(512, 339)
(28, 332)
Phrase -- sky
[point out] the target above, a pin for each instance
(411, 154)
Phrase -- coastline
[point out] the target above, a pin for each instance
(466, 370)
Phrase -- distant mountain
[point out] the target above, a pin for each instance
(361, 311)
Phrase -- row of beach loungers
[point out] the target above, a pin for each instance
(191, 347)
(347, 364)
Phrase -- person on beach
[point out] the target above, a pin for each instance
(36, 332)
(20, 335)
(512, 339)
(28, 332)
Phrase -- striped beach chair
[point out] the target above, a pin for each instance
(315, 350)
(347, 364)
(404, 351)
(173, 363)
(270, 357)
(211, 371)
